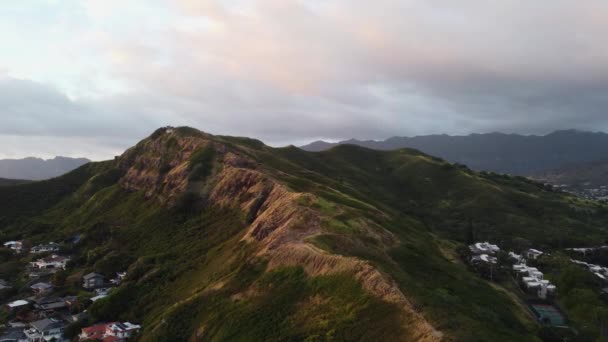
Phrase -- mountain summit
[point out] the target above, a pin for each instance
(515, 154)
(225, 238)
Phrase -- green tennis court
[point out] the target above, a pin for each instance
(549, 314)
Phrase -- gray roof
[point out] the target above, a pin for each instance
(46, 324)
(13, 334)
(92, 275)
(41, 286)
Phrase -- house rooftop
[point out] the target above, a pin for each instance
(92, 275)
(18, 303)
(97, 329)
(41, 286)
(124, 326)
(46, 324)
(13, 334)
(54, 257)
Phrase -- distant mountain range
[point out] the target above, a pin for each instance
(38, 169)
(5, 182)
(498, 152)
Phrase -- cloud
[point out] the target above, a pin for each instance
(292, 70)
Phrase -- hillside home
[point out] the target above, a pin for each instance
(484, 248)
(483, 259)
(45, 330)
(115, 332)
(45, 248)
(92, 281)
(93, 333)
(15, 246)
(599, 271)
(41, 288)
(18, 304)
(122, 330)
(516, 258)
(532, 254)
(52, 261)
(51, 304)
(531, 279)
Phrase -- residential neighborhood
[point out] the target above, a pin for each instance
(46, 304)
(535, 292)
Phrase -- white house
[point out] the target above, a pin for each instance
(45, 330)
(516, 257)
(598, 271)
(484, 248)
(532, 253)
(52, 261)
(122, 330)
(17, 304)
(483, 259)
(532, 279)
(16, 246)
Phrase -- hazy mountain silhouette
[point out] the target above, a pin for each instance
(498, 152)
(37, 168)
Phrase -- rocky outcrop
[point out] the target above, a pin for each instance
(159, 167)
(279, 224)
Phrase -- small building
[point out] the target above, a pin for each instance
(122, 330)
(45, 248)
(92, 281)
(484, 248)
(115, 331)
(42, 288)
(51, 304)
(18, 304)
(531, 280)
(532, 253)
(516, 257)
(483, 259)
(45, 330)
(15, 246)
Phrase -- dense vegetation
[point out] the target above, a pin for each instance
(191, 273)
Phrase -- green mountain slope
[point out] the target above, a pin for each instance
(227, 239)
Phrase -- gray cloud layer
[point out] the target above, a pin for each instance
(290, 71)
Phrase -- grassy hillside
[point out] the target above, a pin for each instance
(227, 239)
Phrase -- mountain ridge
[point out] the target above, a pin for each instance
(498, 152)
(225, 238)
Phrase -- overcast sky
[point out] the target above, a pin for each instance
(92, 77)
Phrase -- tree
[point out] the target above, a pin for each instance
(58, 279)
